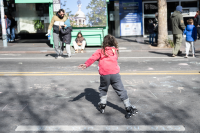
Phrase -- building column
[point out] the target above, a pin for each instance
(82, 21)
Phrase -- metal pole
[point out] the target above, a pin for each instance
(4, 35)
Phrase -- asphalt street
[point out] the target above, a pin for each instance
(41, 94)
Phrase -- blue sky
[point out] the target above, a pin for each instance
(73, 6)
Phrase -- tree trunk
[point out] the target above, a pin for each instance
(162, 23)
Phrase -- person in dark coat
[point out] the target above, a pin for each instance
(177, 30)
(151, 31)
(198, 25)
(12, 28)
(66, 35)
(155, 22)
(195, 18)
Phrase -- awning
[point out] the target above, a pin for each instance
(33, 1)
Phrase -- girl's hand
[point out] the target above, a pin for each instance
(83, 66)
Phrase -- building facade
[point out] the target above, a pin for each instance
(124, 17)
(131, 17)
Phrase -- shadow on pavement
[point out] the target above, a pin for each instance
(25, 102)
(93, 96)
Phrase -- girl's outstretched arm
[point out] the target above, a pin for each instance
(83, 66)
(96, 56)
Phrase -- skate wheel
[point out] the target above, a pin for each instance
(102, 111)
(127, 116)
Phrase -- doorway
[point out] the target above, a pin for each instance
(113, 18)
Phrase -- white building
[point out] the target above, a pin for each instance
(80, 16)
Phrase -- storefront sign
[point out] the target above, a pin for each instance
(56, 1)
(131, 17)
(56, 5)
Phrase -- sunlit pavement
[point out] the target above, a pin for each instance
(41, 94)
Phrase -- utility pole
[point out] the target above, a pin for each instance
(4, 35)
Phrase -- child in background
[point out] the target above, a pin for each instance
(151, 31)
(191, 36)
(66, 36)
(109, 71)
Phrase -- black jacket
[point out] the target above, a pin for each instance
(66, 34)
(13, 23)
(198, 20)
(150, 28)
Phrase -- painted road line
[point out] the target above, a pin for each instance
(77, 58)
(190, 71)
(32, 72)
(102, 128)
(94, 74)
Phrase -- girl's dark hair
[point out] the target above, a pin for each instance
(109, 41)
(80, 34)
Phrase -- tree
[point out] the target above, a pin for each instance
(162, 23)
(97, 13)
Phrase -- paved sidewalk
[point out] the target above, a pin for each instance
(40, 46)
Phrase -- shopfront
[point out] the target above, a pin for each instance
(131, 17)
(125, 18)
(32, 16)
(150, 8)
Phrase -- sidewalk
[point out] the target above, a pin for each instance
(42, 46)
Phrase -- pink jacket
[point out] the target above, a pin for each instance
(107, 64)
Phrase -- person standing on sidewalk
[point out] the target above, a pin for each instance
(7, 23)
(151, 32)
(155, 22)
(12, 28)
(198, 25)
(195, 18)
(56, 21)
(191, 37)
(66, 33)
(177, 30)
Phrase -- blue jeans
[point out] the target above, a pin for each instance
(8, 34)
(156, 37)
(12, 34)
(151, 36)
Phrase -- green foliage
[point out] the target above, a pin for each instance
(97, 13)
(38, 25)
(169, 43)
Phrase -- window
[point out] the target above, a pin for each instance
(189, 4)
(150, 8)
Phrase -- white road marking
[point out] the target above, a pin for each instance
(76, 58)
(102, 128)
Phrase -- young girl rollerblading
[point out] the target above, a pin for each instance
(109, 74)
